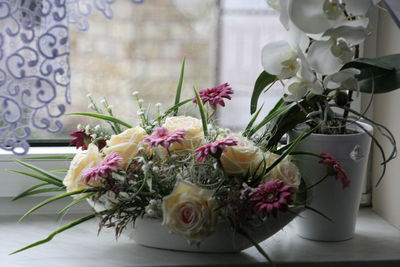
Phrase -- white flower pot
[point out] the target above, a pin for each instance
(150, 233)
(339, 204)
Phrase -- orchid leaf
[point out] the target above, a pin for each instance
(59, 230)
(263, 80)
(179, 88)
(287, 121)
(101, 117)
(378, 75)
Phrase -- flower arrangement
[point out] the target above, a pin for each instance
(321, 71)
(188, 173)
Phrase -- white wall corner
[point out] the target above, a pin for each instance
(385, 197)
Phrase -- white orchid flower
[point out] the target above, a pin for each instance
(324, 14)
(282, 7)
(280, 58)
(305, 81)
(343, 79)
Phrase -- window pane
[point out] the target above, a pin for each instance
(141, 49)
(143, 46)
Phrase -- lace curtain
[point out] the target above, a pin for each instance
(34, 64)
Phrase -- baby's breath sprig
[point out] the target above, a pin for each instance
(109, 110)
(93, 106)
(143, 115)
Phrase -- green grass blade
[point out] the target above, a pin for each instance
(59, 171)
(43, 190)
(47, 201)
(43, 178)
(51, 157)
(179, 88)
(76, 201)
(268, 118)
(101, 117)
(29, 190)
(252, 121)
(319, 213)
(59, 230)
(203, 112)
(290, 148)
(173, 108)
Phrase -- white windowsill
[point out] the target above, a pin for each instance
(376, 243)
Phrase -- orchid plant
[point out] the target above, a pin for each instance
(321, 71)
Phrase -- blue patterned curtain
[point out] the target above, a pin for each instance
(34, 64)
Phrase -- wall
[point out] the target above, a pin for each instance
(386, 108)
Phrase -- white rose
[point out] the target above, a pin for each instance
(193, 127)
(82, 161)
(126, 144)
(189, 211)
(286, 170)
(244, 158)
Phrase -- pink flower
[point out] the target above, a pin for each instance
(161, 136)
(214, 149)
(272, 196)
(331, 162)
(215, 95)
(110, 163)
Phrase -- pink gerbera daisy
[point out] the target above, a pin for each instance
(272, 196)
(214, 149)
(215, 95)
(161, 136)
(110, 163)
(332, 163)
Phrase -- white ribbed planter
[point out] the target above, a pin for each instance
(340, 205)
(150, 233)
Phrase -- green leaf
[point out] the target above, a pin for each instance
(319, 213)
(289, 149)
(101, 117)
(40, 191)
(263, 80)
(203, 112)
(271, 116)
(47, 201)
(59, 171)
(378, 75)
(173, 108)
(51, 157)
(59, 230)
(46, 176)
(288, 121)
(252, 121)
(179, 88)
(23, 194)
(33, 175)
(76, 201)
